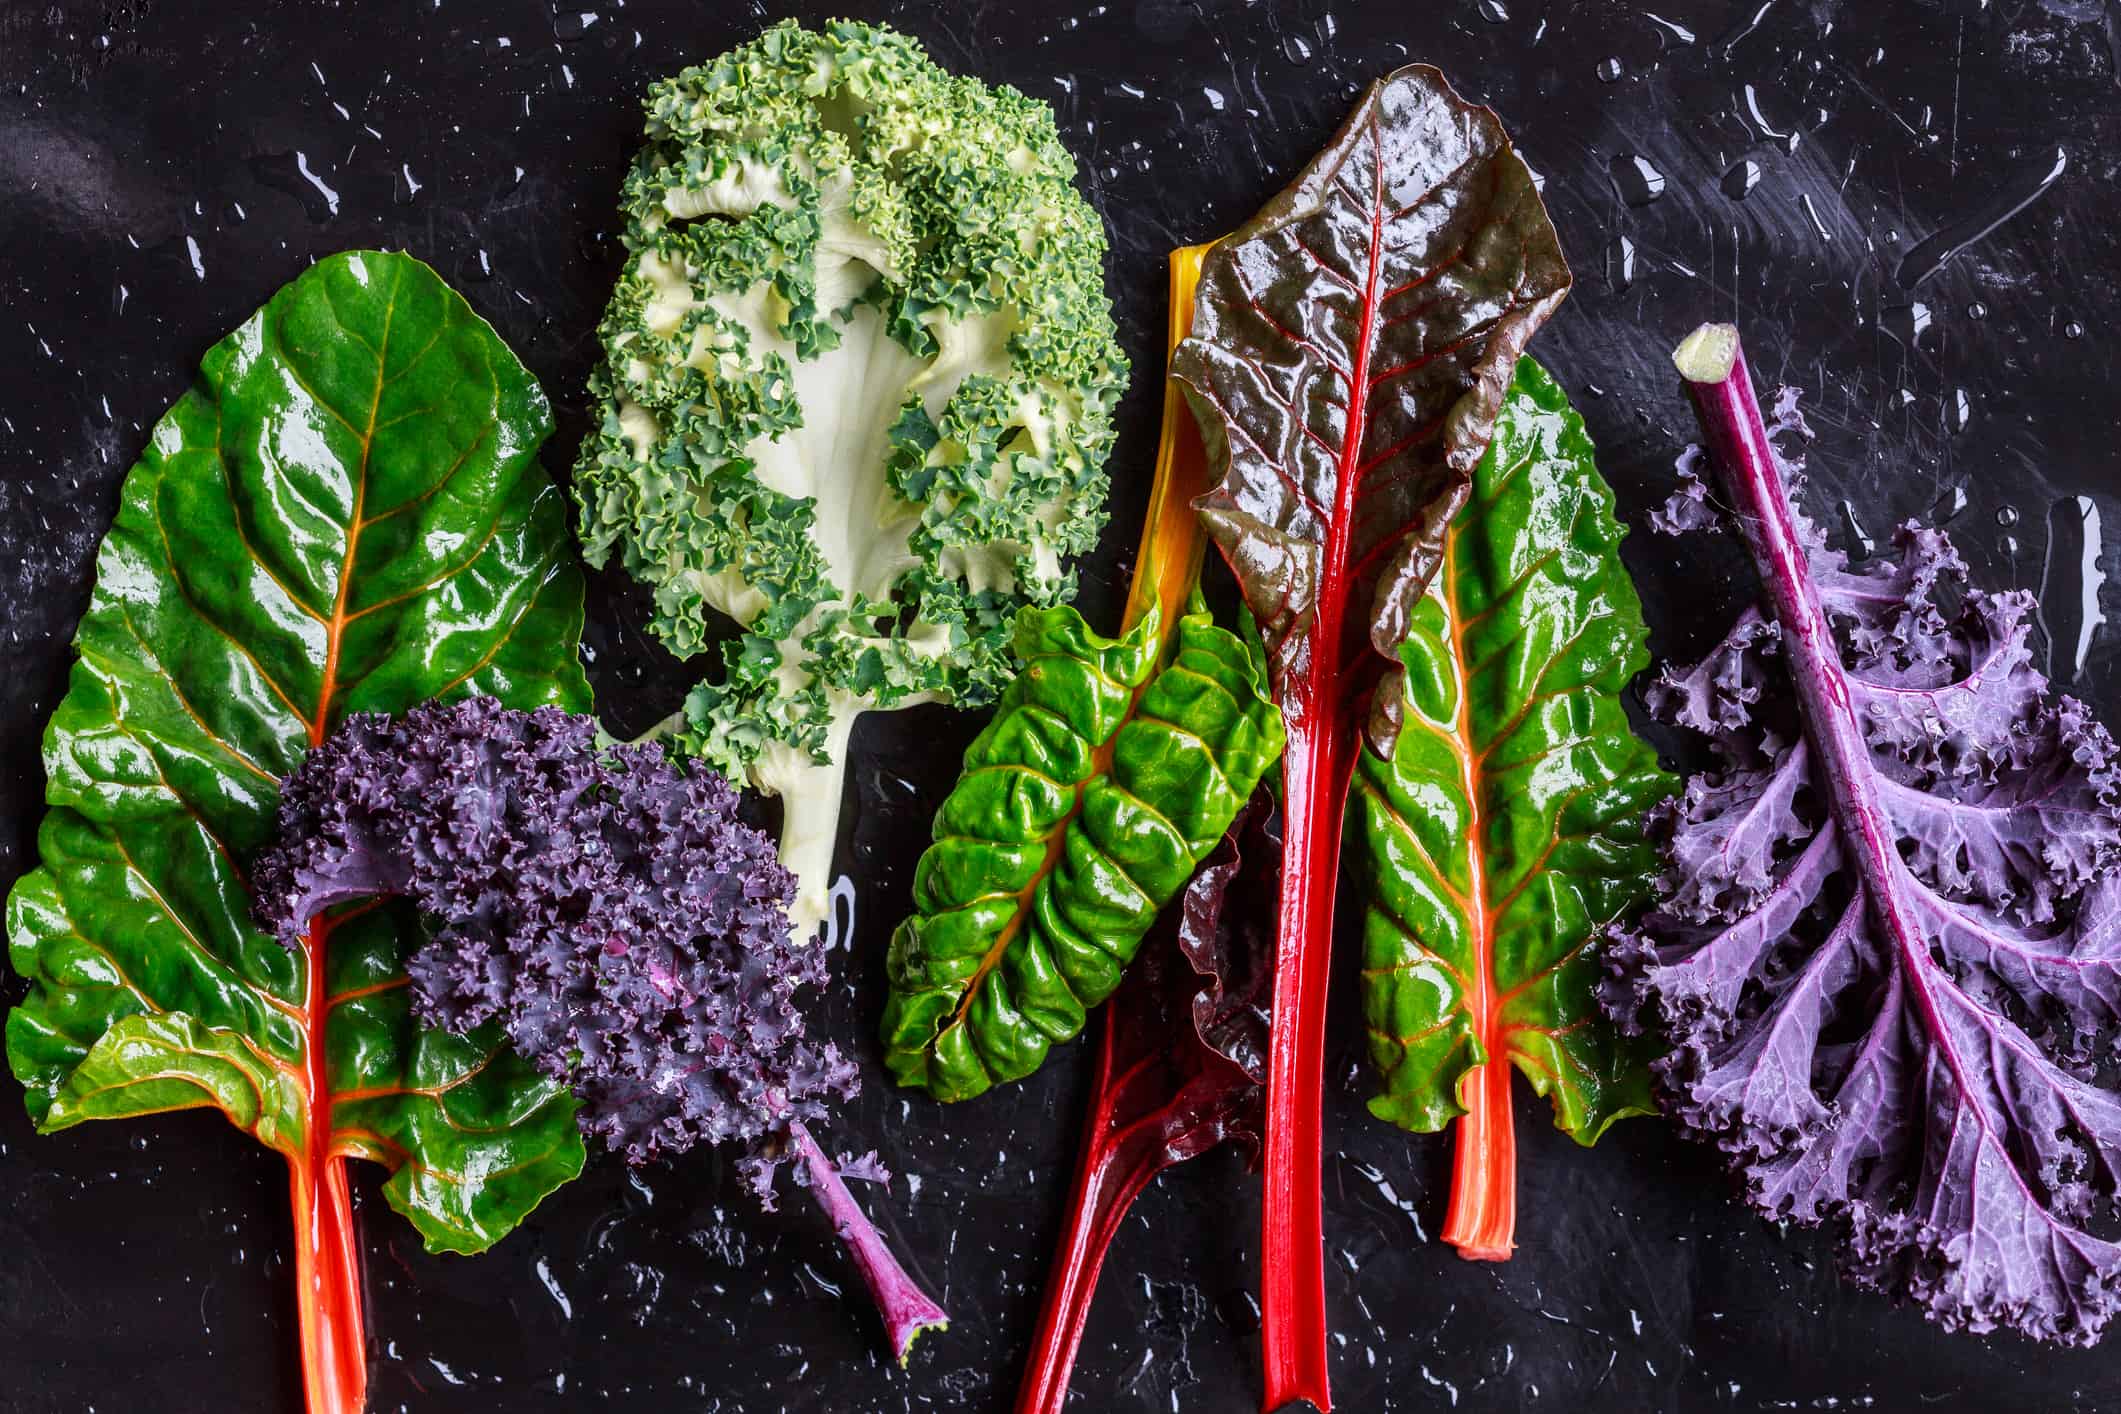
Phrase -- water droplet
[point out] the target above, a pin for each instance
(1962, 409)
(1620, 264)
(838, 934)
(1610, 70)
(1638, 181)
(1977, 310)
(573, 24)
(1492, 11)
(1948, 506)
(1296, 48)
(2070, 582)
(1740, 180)
(1215, 98)
(235, 215)
(405, 187)
(2006, 516)
(2012, 197)
(2073, 330)
(290, 172)
(1861, 546)
(1789, 138)
(1804, 200)
(1907, 322)
(2007, 546)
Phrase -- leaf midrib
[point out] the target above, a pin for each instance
(1056, 848)
(316, 1006)
(1482, 1005)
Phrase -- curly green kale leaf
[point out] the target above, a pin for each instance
(856, 395)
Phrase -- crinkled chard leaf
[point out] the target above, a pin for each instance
(1084, 807)
(1888, 952)
(1181, 1068)
(1507, 829)
(1349, 352)
(344, 514)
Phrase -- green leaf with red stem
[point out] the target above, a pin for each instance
(1180, 1068)
(1085, 806)
(1508, 827)
(1350, 348)
(1111, 768)
(344, 514)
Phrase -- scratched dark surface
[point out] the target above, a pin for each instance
(164, 167)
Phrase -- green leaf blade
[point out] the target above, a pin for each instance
(1508, 828)
(1026, 916)
(344, 514)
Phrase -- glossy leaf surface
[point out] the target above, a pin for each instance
(1085, 806)
(1507, 829)
(1349, 353)
(1180, 1069)
(1887, 957)
(344, 513)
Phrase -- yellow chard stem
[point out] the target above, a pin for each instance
(1173, 543)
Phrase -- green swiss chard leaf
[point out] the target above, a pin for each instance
(1508, 828)
(344, 514)
(1084, 807)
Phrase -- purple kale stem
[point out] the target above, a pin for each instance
(906, 1309)
(1713, 364)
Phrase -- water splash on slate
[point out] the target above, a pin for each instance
(1620, 264)
(1638, 181)
(2070, 582)
(2013, 196)
(291, 172)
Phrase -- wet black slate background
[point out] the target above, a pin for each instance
(151, 196)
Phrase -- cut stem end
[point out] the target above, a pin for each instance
(907, 1310)
(1707, 354)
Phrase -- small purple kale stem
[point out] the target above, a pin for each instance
(906, 1309)
(1713, 364)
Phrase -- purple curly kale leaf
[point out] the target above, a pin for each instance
(612, 914)
(1888, 952)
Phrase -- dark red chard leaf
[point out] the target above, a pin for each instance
(1351, 346)
(1180, 1069)
(1888, 957)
